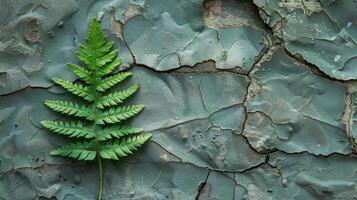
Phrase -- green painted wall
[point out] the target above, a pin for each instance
(245, 99)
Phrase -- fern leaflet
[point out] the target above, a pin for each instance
(116, 98)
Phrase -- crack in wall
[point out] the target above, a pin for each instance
(202, 186)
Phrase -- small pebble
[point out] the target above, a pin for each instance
(284, 182)
(51, 35)
(60, 24)
(336, 58)
(349, 24)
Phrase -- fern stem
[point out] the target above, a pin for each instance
(100, 178)
(97, 147)
(97, 144)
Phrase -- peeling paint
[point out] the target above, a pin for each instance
(321, 32)
(299, 118)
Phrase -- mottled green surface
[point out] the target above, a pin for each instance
(246, 100)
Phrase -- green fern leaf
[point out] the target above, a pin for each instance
(119, 114)
(70, 109)
(99, 52)
(110, 81)
(122, 148)
(105, 48)
(99, 60)
(86, 59)
(82, 73)
(76, 89)
(116, 98)
(80, 151)
(95, 52)
(99, 56)
(70, 129)
(95, 38)
(117, 132)
(108, 68)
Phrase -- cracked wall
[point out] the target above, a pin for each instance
(245, 99)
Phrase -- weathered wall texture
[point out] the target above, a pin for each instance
(245, 99)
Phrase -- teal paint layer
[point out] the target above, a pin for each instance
(245, 99)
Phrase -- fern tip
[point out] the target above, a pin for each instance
(95, 19)
(148, 135)
(54, 153)
(44, 123)
(57, 80)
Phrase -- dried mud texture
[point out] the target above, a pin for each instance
(246, 100)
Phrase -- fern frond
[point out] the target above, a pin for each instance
(108, 68)
(79, 151)
(75, 89)
(115, 98)
(70, 108)
(100, 60)
(82, 73)
(110, 81)
(121, 148)
(119, 114)
(70, 129)
(117, 132)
